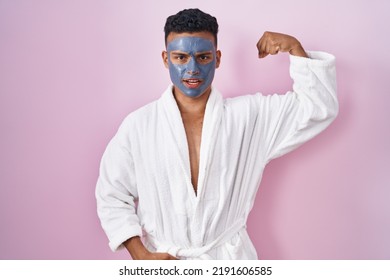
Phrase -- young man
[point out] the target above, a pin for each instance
(194, 160)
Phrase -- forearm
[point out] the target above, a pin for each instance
(136, 248)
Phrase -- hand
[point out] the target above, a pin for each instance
(273, 43)
(158, 256)
(138, 251)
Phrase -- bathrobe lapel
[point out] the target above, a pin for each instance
(210, 129)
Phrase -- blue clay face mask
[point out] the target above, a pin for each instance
(192, 62)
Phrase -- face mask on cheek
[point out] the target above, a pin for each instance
(186, 77)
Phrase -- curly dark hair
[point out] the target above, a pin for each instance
(191, 20)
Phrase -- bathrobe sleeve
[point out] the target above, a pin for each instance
(116, 191)
(304, 112)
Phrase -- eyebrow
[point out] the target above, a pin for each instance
(179, 52)
(205, 52)
(185, 53)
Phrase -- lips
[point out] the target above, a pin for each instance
(192, 83)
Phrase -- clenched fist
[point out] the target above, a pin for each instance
(272, 43)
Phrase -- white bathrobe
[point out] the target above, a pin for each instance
(145, 189)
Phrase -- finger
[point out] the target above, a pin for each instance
(169, 257)
(263, 48)
(268, 48)
(258, 45)
(261, 40)
(274, 50)
(263, 54)
(162, 256)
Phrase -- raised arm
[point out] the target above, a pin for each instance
(290, 119)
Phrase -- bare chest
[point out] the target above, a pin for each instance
(193, 128)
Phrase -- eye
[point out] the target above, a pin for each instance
(204, 58)
(179, 58)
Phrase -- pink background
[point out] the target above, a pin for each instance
(70, 71)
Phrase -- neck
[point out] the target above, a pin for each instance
(190, 105)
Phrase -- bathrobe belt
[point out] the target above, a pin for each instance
(200, 252)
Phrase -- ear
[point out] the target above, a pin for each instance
(164, 56)
(218, 58)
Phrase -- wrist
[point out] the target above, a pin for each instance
(298, 50)
(136, 248)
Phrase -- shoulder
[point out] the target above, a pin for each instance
(141, 114)
(241, 109)
(137, 119)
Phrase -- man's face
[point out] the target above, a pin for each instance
(191, 59)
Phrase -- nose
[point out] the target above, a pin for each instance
(192, 68)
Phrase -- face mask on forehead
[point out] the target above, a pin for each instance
(194, 76)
